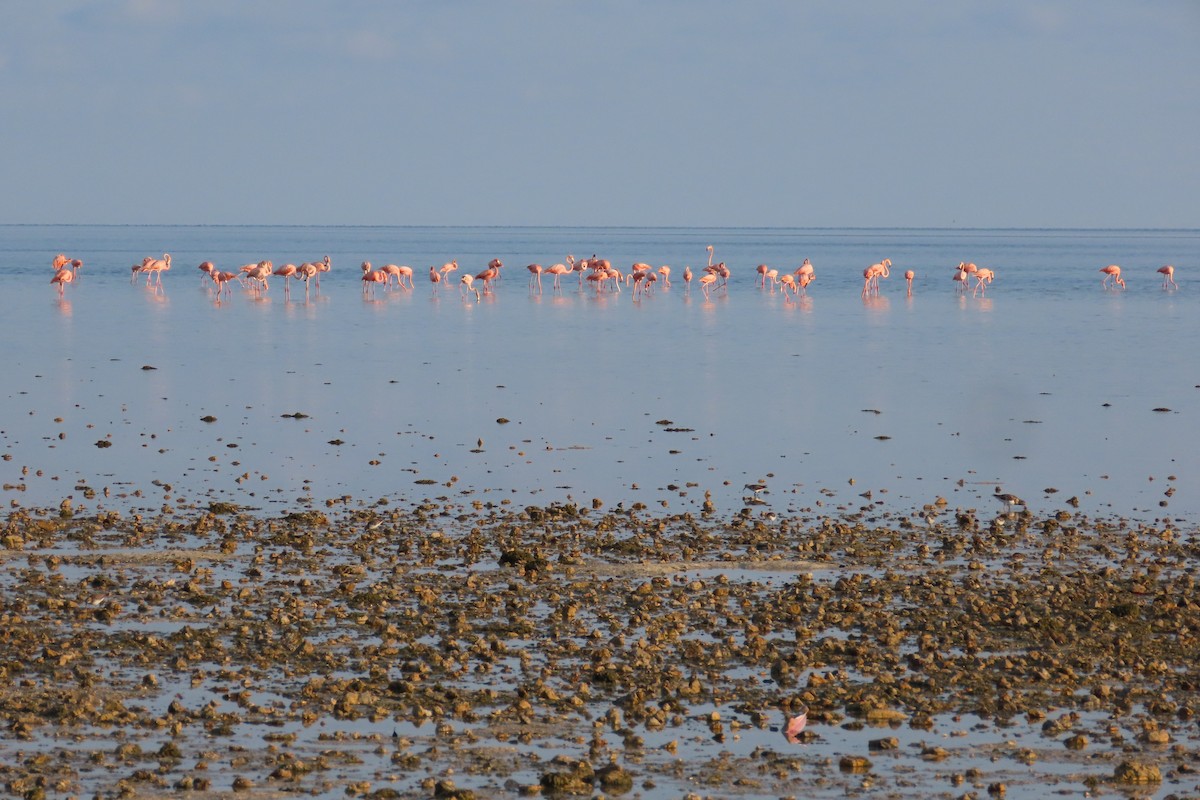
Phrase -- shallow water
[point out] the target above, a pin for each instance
(1048, 382)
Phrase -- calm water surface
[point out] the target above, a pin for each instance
(1048, 382)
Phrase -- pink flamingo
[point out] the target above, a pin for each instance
(62, 278)
(558, 270)
(1112, 273)
(371, 278)
(465, 285)
(222, 279)
(908, 278)
(400, 273)
(982, 276)
(1168, 273)
(487, 276)
(535, 276)
(156, 267)
(762, 270)
(435, 278)
(287, 271)
(706, 282)
(873, 273)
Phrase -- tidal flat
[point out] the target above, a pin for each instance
(450, 648)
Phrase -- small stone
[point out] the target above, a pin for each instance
(856, 764)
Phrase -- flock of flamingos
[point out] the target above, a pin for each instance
(598, 272)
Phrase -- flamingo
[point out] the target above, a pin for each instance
(306, 272)
(773, 279)
(464, 285)
(435, 278)
(257, 274)
(62, 262)
(222, 279)
(1112, 273)
(497, 265)
(400, 273)
(665, 271)
(710, 254)
(706, 281)
(804, 279)
(313, 269)
(581, 266)
(558, 270)
(1168, 273)
(535, 276)
(873, 273)
(787, 282)
(960, 277)
(687, 277)
(762, 270)
(487, 276)
(156, 267)
(805, 274)
(908, 278)
(287, 271)
(982, 276)
(62, 277)
(371, 277)
(206, 268)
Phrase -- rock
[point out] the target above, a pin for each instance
(854, 764)
(615, 779)
(1137, 772)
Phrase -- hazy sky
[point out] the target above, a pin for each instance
(648, 112)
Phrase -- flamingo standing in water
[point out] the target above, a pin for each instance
(1112, 273)
(535, 276)
(787, 282)
(706, 281)
(400, 273)
(982, 276)
(465, 285)
(306, 272)
(960, 277)
(62, 262)
(62, 277)
(805, 274)
(222, 279)
(435, 278)
(206, 270)
(1168, 273)
(287, 271)
(908, 278)
(665, 271)
(558, 270)
(687, 277)
(156, 267)
(371, 278)
(762, 270)
(873, 273)
(487, 276)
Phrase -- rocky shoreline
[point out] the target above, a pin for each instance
(458, 649)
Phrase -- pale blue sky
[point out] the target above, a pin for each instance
(679, 112)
